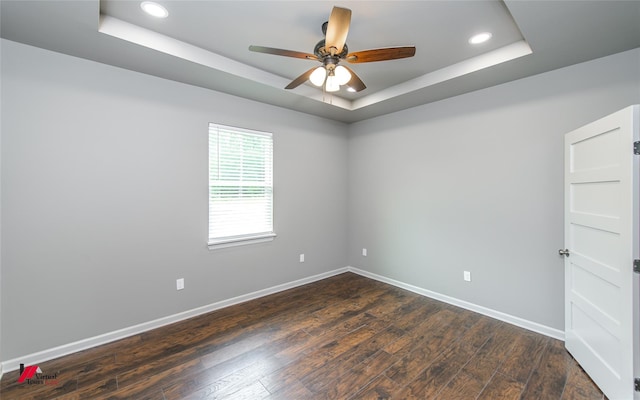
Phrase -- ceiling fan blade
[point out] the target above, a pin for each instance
(337, 29)
(282, 52)
(355, 82)
(390, 53)
(301, 79)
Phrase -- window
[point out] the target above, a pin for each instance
(240, 186)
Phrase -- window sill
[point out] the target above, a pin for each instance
(241, 241)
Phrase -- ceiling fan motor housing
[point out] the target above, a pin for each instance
(330, 63)
(323, 52)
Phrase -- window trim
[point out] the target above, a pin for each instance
(241, 240)
(249, 238)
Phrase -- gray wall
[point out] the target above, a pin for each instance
(104, 196)
(475, 183)
(104, 199)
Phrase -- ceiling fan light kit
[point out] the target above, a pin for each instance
(318, 76)
(331, 84)
(332, 77)
(343, 76)
(333, 49)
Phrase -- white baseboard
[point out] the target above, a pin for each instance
(50, 354)
(513, 320)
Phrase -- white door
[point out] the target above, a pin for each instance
(601, 239)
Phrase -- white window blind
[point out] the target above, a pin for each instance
(240, 185)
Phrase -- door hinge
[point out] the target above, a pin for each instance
(636, 266)
(636, 384)
(636, 148)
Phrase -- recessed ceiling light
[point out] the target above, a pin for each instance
(480, 38)
(154, 9)
(350, 89)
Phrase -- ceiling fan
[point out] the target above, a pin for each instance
(333, 49)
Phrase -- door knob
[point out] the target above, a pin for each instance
(564, 252)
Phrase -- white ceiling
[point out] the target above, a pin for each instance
(205, 43)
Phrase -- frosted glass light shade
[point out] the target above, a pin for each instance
(317, 76)
(342, 75)
(332, 84)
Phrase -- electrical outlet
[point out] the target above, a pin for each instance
(180, 284)
(467, 276)
(301, 257)
(364, 252)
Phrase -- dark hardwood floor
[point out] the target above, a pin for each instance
(345, 337)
